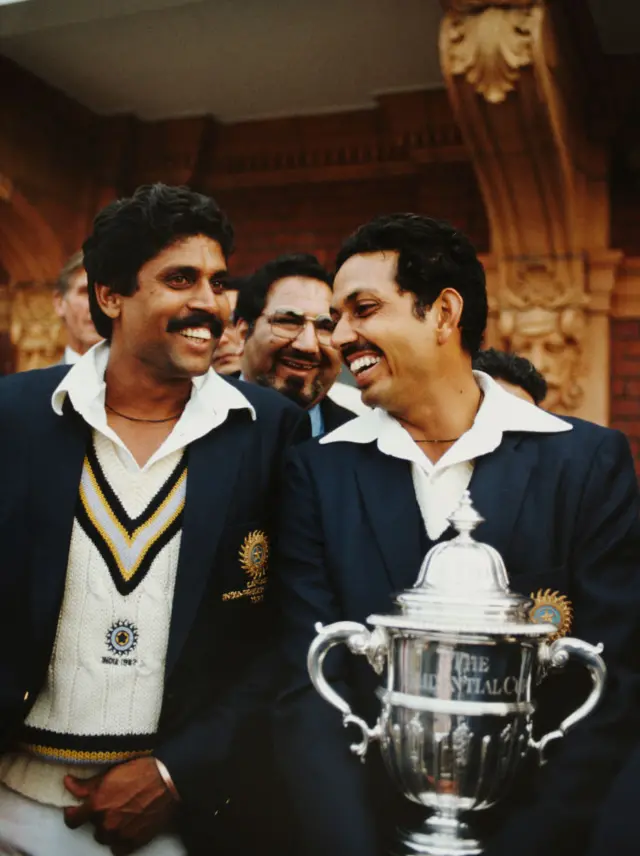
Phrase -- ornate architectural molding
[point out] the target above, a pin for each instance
(35, 331)
(540, 284)
(489, 43)
(542, 316)
(398, 154)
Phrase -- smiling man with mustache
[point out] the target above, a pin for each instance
(361, 508)
(283, 314)
(139, 490)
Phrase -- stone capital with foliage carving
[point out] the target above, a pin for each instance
(489, 42)
(35, 330)
(541, 316)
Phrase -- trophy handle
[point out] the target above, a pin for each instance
(359, 640)
(556, 656)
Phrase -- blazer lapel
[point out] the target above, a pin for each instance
(389, 498)
(58, 460)
(333, 415)
(213, 468)
(498, 487)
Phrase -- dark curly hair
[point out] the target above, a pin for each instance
(432, 256)
(131, 231)
(513, 369)
(254, 290)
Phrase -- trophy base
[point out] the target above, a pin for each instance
(440, 836)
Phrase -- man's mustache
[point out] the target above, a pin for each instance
(197, 319)
(299, 356)
(356, 348)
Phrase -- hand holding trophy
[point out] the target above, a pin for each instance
(461, 655)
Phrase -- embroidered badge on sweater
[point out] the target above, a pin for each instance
(129, 545)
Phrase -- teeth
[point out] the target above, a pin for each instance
(363, 363)
(197, 333)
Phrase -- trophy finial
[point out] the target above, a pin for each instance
(465, 518)
(462, 567)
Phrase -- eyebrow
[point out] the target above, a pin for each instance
(289, 310)
(191, 271)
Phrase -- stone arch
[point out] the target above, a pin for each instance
(29, 249)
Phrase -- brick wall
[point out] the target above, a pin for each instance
(317, 217)
(625, 381)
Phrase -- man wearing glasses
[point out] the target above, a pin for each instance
(283, 315)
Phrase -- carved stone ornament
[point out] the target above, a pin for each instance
(542, 317)
(489, 44)
(36, 331)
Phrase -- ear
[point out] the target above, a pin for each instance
(109, 301)
(242, 328)
(449, 312)
(58, 306)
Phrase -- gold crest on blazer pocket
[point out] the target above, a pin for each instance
(253, 557)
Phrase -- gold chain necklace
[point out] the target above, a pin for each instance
(453, 439)
(139, 419)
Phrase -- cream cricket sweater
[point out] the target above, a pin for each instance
(102, 698)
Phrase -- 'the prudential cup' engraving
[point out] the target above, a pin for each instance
(460, 654)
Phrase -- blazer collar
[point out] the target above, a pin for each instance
(58, 457)
(390, 502)
(334, 415)
(500, 413)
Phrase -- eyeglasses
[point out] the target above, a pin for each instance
(289, 324)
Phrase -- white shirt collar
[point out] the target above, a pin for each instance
(499, 412)
(71, 357)
(208, 407)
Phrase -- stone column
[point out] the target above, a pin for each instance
(550, 271)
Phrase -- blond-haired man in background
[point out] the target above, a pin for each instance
(71, 304)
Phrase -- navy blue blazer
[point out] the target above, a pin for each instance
(213, 675)
(563, 510)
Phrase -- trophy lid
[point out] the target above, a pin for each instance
(463, 586)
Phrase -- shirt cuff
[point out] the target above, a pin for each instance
(166, 778)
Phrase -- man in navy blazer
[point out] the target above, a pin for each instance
(282, 315)
(361, 508)
(138, 490)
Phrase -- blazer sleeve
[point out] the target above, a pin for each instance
(15, 669)
(605, 569)
(325, 784)
(198, 756)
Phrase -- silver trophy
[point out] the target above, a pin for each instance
(461, 654)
